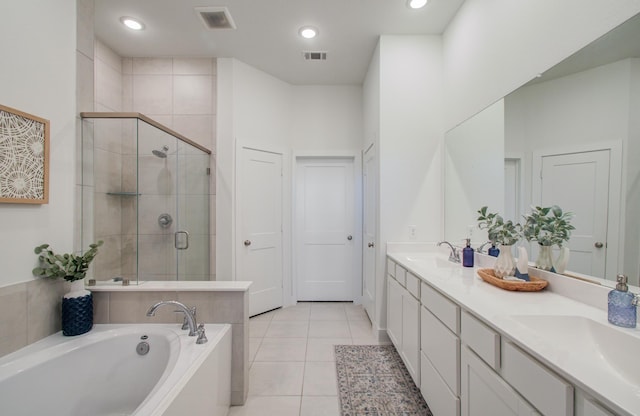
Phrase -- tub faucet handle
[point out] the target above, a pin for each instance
(202, 337)
(185, 322)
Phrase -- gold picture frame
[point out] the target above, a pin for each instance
(24, 157)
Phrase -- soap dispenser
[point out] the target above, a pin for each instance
(493, 250)
(622, 304)
(467, 255)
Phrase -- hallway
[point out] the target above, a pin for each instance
(292, 360)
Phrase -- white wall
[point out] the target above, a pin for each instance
(493, 47)
(38, 76)
(411, 136)
(326, 118)
(253, 108)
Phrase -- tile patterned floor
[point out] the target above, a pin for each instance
(292, 358)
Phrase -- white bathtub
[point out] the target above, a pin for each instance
(100, 373)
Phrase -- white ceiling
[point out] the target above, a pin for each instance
(267, 32)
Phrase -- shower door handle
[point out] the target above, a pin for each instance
(181, 243)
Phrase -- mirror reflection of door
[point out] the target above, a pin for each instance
(579, 183)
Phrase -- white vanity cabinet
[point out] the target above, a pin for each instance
(394, 312)
(484, 392)
(588, 406)
(440, 352)
(463, 365)
(403, 317)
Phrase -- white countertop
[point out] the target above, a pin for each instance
(613, 380)
(173, 286)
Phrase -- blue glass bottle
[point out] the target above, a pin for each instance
(467, 255)
(493, 250)
(621, 304)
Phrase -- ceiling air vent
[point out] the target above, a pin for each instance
(215, 17)
(314, 56)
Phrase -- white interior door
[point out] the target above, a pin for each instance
(370, 230)
(579, 183)
(259, 233)
(325, 229)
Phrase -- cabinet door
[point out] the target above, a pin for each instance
(485, 393)
(394, 312)
(411, 335)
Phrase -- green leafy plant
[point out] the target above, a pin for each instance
(499, 231)
(548, 226)
(71, 267)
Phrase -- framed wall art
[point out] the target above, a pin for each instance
(24, 157)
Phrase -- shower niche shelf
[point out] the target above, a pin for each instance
(124, 193)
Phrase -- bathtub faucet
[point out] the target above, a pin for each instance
(191, 320)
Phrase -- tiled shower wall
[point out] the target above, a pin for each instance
(180, 94)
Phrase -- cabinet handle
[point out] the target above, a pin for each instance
(371, 245)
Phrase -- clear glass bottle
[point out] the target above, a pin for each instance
(622, 304)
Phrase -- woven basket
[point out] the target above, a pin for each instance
(77, 315)
(536, 284)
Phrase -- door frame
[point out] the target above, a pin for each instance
(615, 209)
(519, 160)
(372, 303)
(237, 213)
(356, 289)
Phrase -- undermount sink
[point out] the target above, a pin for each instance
(592, 340)
(431, 260)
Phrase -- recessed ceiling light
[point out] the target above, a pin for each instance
(416, 4)
(131, 23)
(308, 32)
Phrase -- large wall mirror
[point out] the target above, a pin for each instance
(570, 137)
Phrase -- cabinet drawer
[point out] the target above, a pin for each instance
(587, 407)
(442, 348)
(444, 309)
(440, 399)
(550, 394)
(401, 275)
(483, 340)
(391, 268)
(413, 284)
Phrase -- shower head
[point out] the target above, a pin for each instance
(162, 153)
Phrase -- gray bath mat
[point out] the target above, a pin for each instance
(373, 381)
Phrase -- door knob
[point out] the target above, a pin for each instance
(349, 238)
(371, 245)
(599, 244)
(247, 243)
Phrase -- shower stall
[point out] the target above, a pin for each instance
(146, 194)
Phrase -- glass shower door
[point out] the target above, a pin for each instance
(157, 208)
(192, 232)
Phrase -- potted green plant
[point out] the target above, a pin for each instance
(504, 233)
(77, 305)
(549, 226)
